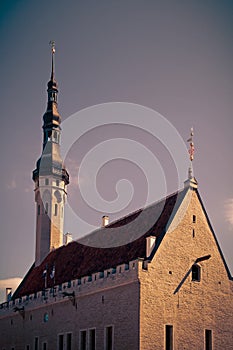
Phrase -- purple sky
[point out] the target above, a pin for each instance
(172, 56)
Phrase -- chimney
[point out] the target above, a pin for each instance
(105, 220)
(68, 238)
(150, 244)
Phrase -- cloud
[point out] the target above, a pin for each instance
(8, 283)
(229, 211)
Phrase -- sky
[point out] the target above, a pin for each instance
(173, 57)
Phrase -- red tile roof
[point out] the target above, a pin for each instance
(82, 258)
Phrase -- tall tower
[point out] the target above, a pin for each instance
(51, 178)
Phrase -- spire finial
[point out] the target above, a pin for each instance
(191, 152)
(52, 44)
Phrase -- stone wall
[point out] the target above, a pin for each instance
(170, 297)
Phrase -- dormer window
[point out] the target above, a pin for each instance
(196, 273)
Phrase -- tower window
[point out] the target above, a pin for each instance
(46, 208)
(169, 337)
(55, 210)
(57, 182)
(46, 182)
(194, 219)
(38, 209)
(196, 273)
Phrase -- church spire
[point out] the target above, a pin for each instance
(50, 177)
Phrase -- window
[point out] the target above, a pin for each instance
(44, 346)
(46, 182)
(208, 339)
(55, 210)
(68, 341)
(193, 233)
(168, 337)
(196, 273)
(46, 208)
(91, 343)
(83, 340)
(194, 219)
(57, 182)
(38, 209)
(60, 341)
(36, 343)
(109, 338)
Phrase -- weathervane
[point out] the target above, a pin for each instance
(52, 44)
(191, 152)
(191, 144)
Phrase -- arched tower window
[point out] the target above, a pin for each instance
(55, 210)
(196, 273)
(46, 207)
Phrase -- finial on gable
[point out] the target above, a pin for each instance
(192, 182)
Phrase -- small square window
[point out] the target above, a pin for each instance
(196, 273)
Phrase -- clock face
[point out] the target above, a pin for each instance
(46, 317)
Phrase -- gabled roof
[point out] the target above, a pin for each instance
(104, 248)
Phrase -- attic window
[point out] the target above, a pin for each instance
(196, 273)
(194, 219)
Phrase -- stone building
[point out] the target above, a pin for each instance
(168, 288)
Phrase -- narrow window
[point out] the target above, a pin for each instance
(208, 339)
(194, 219)
(109, 338)
(38, 209)
(83, 340)
(46, 182)
(60, 341)
(169, 337)
(55, 210)
(46, 208)
(36, 343)
(28, 347)
(196, 273)
(193, 233)
(57, 182)
(68, 341)
(44, 346)
(92, 345)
